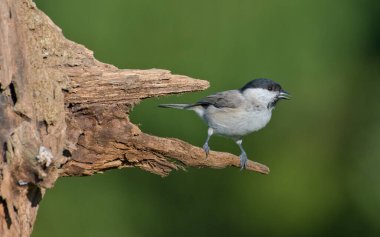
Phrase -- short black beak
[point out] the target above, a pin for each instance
(284, 95)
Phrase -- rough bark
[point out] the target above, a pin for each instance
(63, 113)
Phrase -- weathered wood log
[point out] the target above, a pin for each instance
(63, 113)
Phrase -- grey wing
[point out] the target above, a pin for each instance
(225, 99)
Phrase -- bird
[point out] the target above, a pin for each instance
(237, 113)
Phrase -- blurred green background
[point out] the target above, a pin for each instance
(322, 146)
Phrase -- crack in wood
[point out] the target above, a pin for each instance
(5, 212)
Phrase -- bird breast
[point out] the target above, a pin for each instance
(236, 122)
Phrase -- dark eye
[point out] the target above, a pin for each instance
(270, 88)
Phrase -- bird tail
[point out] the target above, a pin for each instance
(175, 106)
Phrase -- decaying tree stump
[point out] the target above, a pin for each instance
(63, 113)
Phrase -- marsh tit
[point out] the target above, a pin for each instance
(236, 113)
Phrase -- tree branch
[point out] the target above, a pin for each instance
(103, 99)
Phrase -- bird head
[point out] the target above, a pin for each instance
(264, 92)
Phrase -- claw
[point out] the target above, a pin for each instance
(243, 161)
(206, 148)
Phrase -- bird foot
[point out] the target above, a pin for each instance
(243, 161)
(206, 148)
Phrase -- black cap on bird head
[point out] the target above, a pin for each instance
(262, 83)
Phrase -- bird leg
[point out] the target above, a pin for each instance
(206, 147)
(243, 155)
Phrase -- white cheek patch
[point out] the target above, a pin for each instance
(259, 96)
